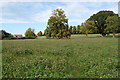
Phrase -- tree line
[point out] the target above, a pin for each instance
(103, 22)
(29, 34)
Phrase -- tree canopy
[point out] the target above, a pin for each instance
(112, 23)
(57, 25)
(100, 20)
(74, 30)
(30, 33)
(88, 27)
(39, 33)
(4, 34)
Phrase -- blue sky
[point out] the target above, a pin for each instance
(17, 17)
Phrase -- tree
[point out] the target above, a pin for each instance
(74, 30)
(30, 33)
(4, 34)
(100, 20)
(39, 33)
(57, 25)
(78, 29)
(88, 27)
(47, 32)
(81, 30)
(71, 29)
(112, 23)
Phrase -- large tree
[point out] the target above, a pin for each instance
(30, 33)
(112, 23)
(57, 25)
(100, 20)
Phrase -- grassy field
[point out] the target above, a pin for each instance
(78, 57)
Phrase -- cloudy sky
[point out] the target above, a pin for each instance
(16, 17)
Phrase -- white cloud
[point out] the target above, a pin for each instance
(5, 21)
(76, 9)
(3, 4)
(59, 0)
(75, 12)
(41, 16)
(76, 21)
(114, 9)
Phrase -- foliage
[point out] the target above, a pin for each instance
(18, 38)
(112, 23)
(30, 33)
(5, 35)
(39, 33)
(71, 29)
(88, 27)
(47, 33)
(78, 29)
(57, 25)
(100, 20)
(74, 30)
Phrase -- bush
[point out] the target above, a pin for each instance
(14, 37)
(17, 38)
(6, 38)
(22, 38)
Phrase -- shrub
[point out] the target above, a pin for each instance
(17, 38)
(22, 38)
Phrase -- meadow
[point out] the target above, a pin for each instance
(79, 57)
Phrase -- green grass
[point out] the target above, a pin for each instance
(41, 37)
(78, 57)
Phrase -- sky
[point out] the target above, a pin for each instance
(17, 17)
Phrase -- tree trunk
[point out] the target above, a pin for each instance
(113, 34)
(108, 34)
(86, 34)
(103, 34)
